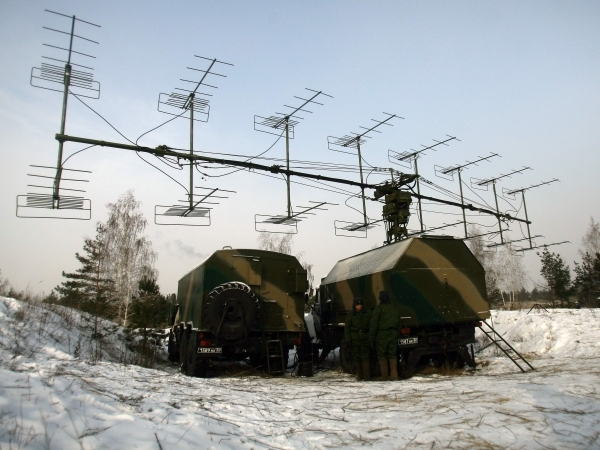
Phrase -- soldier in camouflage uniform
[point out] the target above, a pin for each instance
(383, 336)
(356, 331)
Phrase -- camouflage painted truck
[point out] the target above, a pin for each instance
(239, 304)
(436, 282)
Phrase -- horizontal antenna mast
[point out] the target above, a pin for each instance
(166, 151)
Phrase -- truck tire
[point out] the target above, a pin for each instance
(230, 311)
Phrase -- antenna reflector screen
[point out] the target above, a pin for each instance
(52, 78)
(44, 206)
(352, 229)
(274, 125)
(276, 224)
(181, 215)
(175, 104)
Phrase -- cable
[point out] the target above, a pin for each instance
(78, 151)
(99, 115)
(164, 161)
(477, 195)
(249, 159)
(155, 128)
(139, 156)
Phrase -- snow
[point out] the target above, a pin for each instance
(51, 399)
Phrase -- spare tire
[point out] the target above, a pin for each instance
(230, 311)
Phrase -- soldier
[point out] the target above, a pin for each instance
(356, 331)
(383, 336)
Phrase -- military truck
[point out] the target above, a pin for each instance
(436, 282)
(239, 304)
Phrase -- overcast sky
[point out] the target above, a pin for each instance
(515, 78)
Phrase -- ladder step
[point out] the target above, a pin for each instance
(516, 355)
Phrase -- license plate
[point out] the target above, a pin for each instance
(408, 341)
(210, 350)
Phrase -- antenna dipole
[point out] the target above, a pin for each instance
(512, 192)
(354, 140)
(189, 102)
(493, 181)
(411, 157)
(285, 123)
(45, 77)
(458, 169)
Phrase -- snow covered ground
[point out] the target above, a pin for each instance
(51, 399)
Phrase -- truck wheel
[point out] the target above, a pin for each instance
(230, 311)
(346, 358)
(196, 365)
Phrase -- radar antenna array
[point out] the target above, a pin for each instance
(198, 110)
(407, 159)
(355, 141)
(79, 82)
(281, 124)
(481, 184)
(198, 215)
(287, 224)
(511, 193)
(448, 174)
(429, 230)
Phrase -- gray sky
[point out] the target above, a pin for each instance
(516, 78)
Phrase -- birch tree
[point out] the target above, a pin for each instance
(590, 242)
(128, 254)
(274, 243)
(488, 260)
(512, 276)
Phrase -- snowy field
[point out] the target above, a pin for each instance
(62, 392)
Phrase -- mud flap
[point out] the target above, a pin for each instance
(463, 352)
(413, 359)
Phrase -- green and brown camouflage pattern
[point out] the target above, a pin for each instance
(432, 280)
(278, 280)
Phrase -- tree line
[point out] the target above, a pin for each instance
(506, 278)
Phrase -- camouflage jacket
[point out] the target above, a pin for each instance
(357, 325)
(385, 317)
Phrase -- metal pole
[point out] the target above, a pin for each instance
(362, 189)
(287, 157)
(63, 120)
(498, 212)
(462, 202)
(191, 151)
(162, 151)
(527, 219)
(418, 192)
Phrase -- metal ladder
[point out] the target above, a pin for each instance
(275, 365)
(509, 350)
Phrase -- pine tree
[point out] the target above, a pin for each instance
(149, 309)
(88, 289)
(587, 281)
(556, 273)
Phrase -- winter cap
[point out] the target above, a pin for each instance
(384, 297)
(358, 301)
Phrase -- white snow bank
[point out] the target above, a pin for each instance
(557, 333)
(53, 332)
(70, 403)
